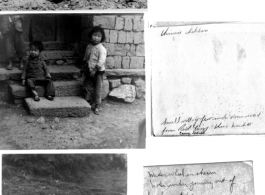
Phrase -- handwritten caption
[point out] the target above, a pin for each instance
(192, 30)
(200, 125)
(198, 179)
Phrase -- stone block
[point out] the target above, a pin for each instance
(119, 23)
(107, 35)
(140, 50)
(129, 37)
(117, 61)
(125, 72)
(137, 62)
(125, 93)
(59, 107)
(125, 62)
(132, 51)
(126, 80)
(110, 48)
(121, 37)
(57, 55)
(128, 23)
(113, 36)
(62, 88)
(138, 24)
(110, 63)
(114, 83)
(138, 38)
(104, 21)
(68, 88)
(120, 50)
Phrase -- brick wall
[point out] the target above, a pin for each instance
(124, 39)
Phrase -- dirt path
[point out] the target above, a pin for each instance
(71, 4)
(112, 182)
(115, 127)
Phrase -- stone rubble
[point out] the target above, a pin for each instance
(70, 4)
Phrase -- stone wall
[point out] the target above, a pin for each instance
(124, 39)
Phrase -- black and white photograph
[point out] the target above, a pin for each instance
(70, 5)
(72, 81)
(62, 174)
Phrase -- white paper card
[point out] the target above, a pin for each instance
(208, 79)
(233, 178)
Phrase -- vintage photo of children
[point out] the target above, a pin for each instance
(73, 81)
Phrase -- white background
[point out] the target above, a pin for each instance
(183, 150)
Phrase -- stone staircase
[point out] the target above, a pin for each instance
(69, 99)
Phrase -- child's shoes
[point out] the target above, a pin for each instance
(36, 98)
(50, 97)
(96, 111)
(9, 67)
(21, 67)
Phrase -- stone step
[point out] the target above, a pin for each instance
(62, 88)
(58, 73)
(57, 54)
(59, 107)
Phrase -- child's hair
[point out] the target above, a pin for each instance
(37, 44)
(97, 29)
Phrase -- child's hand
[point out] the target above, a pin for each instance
(98, 67)
(23, 82)
(48, 76)
(92, 73)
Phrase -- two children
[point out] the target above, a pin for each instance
(11, 30)
(36, 72)
(94, 69)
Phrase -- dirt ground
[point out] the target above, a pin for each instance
(115, 127)
(112, 182)
(71, 4)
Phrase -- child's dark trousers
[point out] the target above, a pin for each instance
(93, 87)
(47, 83)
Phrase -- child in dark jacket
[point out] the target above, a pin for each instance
(36, 72)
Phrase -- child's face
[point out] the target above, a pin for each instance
(34, 51)
(96, 37)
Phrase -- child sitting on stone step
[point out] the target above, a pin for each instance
(95, 59)
(36, 72)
